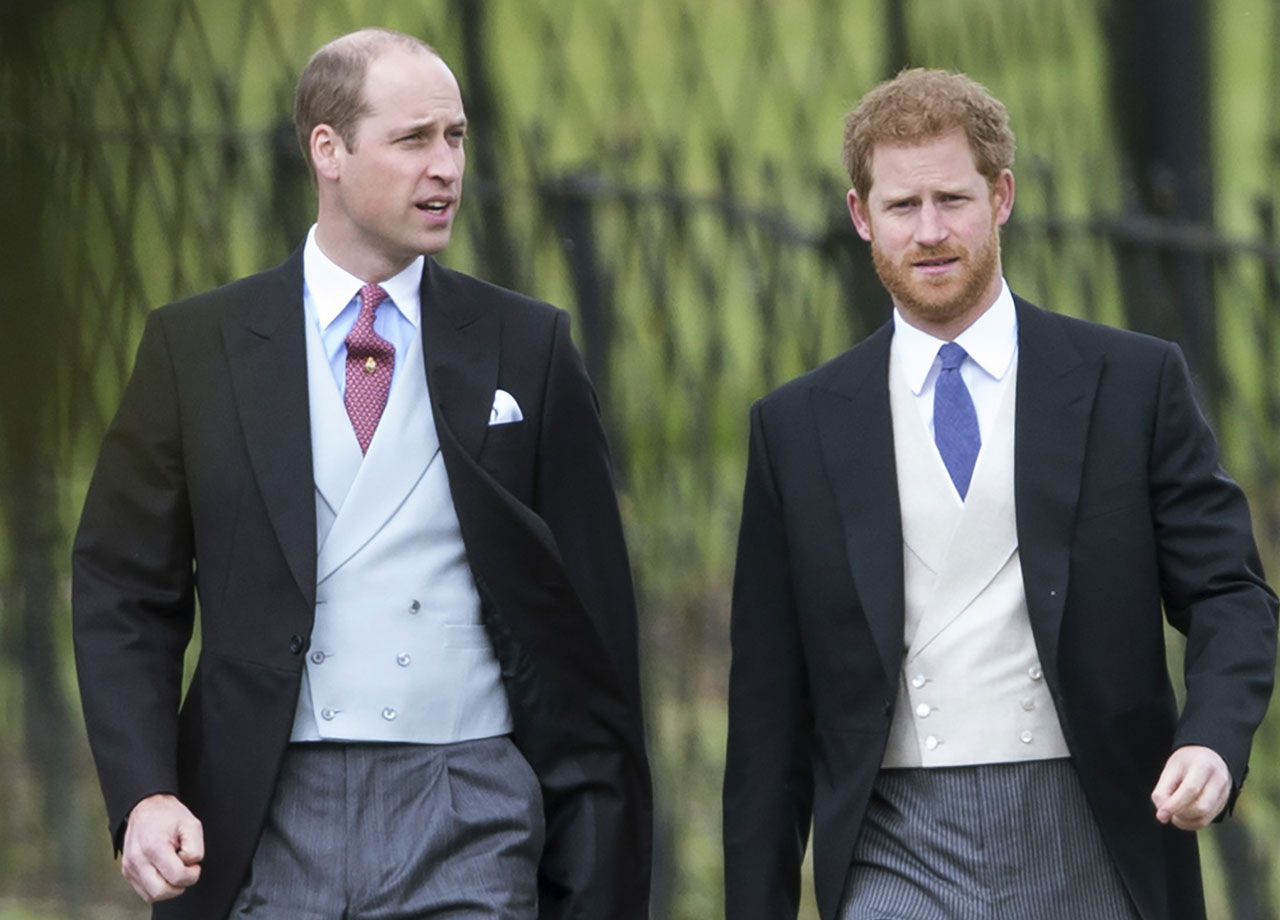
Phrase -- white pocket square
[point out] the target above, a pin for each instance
(505, 409)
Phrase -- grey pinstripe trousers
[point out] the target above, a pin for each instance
(1013, 841)
(398, 831)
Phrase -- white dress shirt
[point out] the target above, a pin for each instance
(330, 295)
(992, 345)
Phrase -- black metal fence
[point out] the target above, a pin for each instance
(667, 171)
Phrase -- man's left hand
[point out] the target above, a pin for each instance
(1193, 788)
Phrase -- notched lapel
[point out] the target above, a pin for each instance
(460, 342)
(266, 347)
(855, 430)
(1056, 390)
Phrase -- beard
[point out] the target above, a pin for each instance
(943, 300)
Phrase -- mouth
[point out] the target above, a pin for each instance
(935, 265)
(436, 206)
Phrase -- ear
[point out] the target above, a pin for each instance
(327, 151)
(861, 218)
(1002, 196)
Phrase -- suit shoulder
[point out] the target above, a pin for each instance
(1093, 336)
(495, 297)
(280, 281)
(843, 372)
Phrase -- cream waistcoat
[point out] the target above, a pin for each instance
(971, 688)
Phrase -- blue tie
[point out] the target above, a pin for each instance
(955, 424)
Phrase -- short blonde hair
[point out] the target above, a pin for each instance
(919, 105)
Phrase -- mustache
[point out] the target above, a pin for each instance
(924, 254)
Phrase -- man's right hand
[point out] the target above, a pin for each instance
(163, 846)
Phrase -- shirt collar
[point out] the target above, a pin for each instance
(332, 287)
(990, 341)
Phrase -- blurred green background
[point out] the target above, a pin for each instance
(667, 170)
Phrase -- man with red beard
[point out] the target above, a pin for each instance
(957, 542)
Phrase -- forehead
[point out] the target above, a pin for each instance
(943, 160)
(407, 84)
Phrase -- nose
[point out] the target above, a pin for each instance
(930, 228)
(443, 163)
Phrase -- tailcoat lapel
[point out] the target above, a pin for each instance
(856, 432)
(1056, 390)
(460, 344)
(266, 350)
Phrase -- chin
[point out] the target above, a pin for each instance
(436, 242)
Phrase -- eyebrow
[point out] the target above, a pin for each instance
(428, 123)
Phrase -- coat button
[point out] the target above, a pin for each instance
(923, 710)
(931, 743)
(296, 645)
(1025, 737)
(1034, 672)
(403, 659)
(415, 607)
(328, 714)
(318, 657)
(389, 714)
(919, 681)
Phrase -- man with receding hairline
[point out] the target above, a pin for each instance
(387, 484)
(958, 539)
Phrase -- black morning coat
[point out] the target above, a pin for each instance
(1122, 512)
(204, 488)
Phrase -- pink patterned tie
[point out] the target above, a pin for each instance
(370, 360)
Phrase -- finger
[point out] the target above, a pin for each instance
(149, 883)
(1199, 813)
(191, 842)
(170, 866)
(1170, 778)
(1181, 796)
(178, 874)
(149, 859)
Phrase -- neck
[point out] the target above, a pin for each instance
(370, 267)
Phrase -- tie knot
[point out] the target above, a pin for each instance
(371, 295)
(952, 356)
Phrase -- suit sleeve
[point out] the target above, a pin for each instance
(132, 588)
(574, 495)
(1212, 578)
(768, 786)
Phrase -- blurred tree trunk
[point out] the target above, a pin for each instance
(1161, 100)
(31, 364)
(501, 257)
(896, 42)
